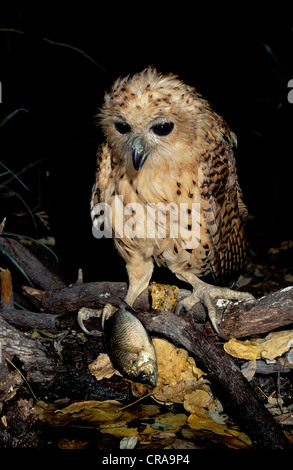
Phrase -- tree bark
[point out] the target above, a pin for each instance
(238, 394)
(238, 319)
(22, 318)
(31, 265)
(59, 367)
(263, 315)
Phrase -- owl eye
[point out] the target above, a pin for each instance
(163, 128)
(122, 127)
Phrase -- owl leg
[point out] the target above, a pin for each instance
(207, 294)
(139, 273)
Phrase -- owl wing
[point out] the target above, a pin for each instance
(103, 185)
(104, 170)
(222, 205)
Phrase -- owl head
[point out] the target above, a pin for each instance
(149, 117)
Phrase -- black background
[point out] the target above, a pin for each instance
(239, 62)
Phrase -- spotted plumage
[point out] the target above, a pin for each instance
(165, 147)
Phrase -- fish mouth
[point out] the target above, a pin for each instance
(139, 153)
(153, 379)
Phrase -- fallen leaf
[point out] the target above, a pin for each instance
(177, 373)
(102, 367)
(181, 444)
(217, 413)
(243, 281)
(249, 369)
(285, 418)
(128, 442)
(131, 425)
(232, 437)
(4, 421)
(275, 344)
(249, 350)
(285, 245)
(138, 390)
(198, 399)
(72, 444)
(119, 429)
(170, 421)
(91, 411)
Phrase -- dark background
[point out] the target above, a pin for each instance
(242, 64)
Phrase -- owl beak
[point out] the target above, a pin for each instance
(139, 154)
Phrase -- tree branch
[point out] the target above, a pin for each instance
(239, 319)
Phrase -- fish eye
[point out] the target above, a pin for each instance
(164, 128)
(142, 376)
(122, 127)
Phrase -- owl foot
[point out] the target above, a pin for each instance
(207, 294)
(85, 314)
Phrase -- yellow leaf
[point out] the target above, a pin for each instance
(249, 350)
(178, 373)
(175, 420)
(91, 411)
(200, 423)
(198, 399)
(233, 437)
(275, 344)
(119, 429)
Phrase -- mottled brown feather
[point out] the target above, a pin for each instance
(194, 163)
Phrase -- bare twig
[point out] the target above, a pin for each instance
(56, 43)
(2, 225)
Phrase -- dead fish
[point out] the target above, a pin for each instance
(129, 346)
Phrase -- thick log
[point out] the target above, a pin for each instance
(53, 365)
(32, 320)
(71, 299)
(242, 401)
(59, 369)
(239, 319)
(265, 314)
(23, 318)
(53, 368)
(31, 265)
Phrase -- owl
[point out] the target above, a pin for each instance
(166, 177)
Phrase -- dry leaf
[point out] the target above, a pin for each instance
(233, 438)
(217, 413)
(169, 421)
(91, 411)
(119, 429)
(198, 399)
(154, 426)
(275, 344)
(128, 442)
(248, 370)
(177, 371)
(72, 444)
(102, 368)
(249, 350)
(138, 390)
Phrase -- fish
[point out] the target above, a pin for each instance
(129, 346)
